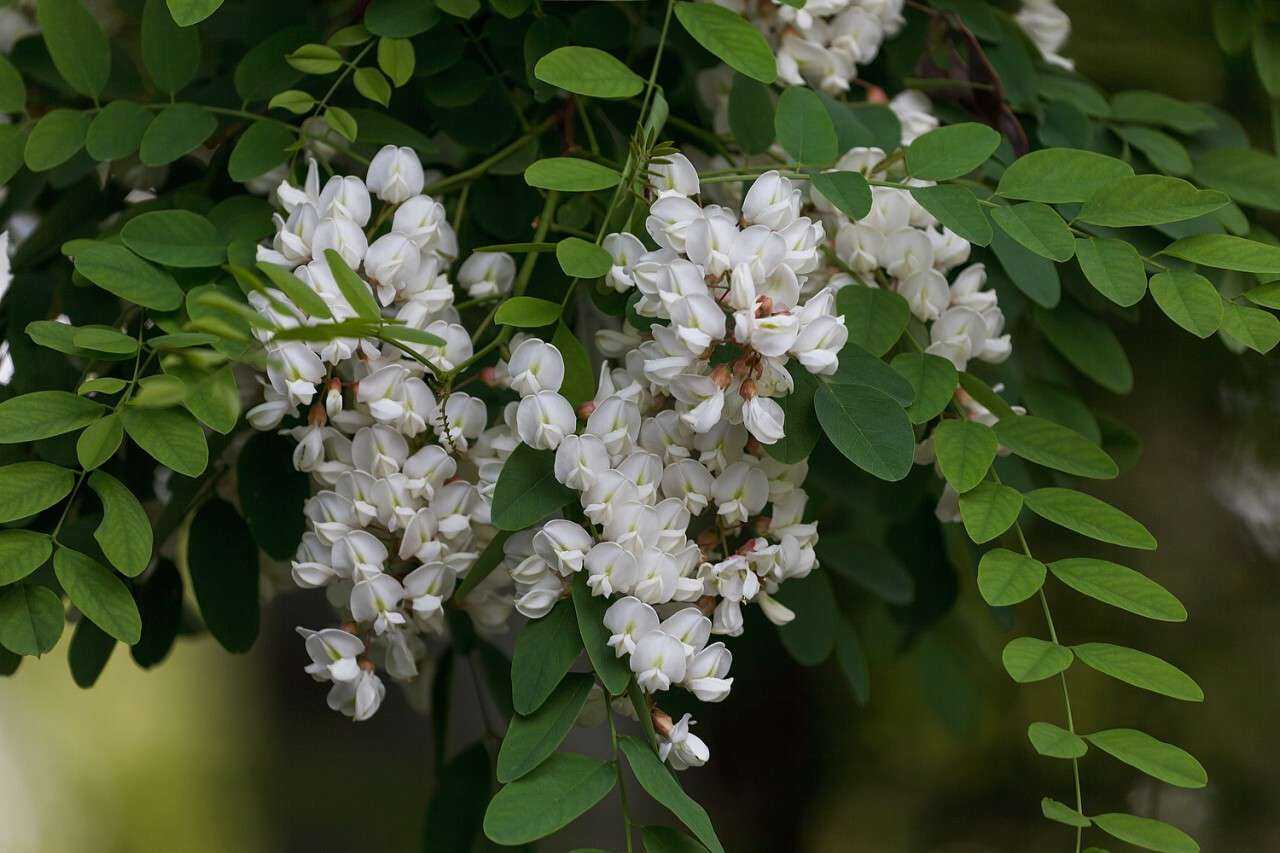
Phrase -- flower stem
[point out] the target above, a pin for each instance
(617, 769)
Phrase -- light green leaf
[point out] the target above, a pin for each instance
(1165, 153)
(588, 71)
(1006, 577)
(118, 270)
(170, 52)
(103, 339)
(527, 490)
(570, 174)
(1266, 295)
(531, 739)
(544, 651)
(612, 670)
(21, 553)
(175, 238)
(315, 59)
(1028, 659)
(731, 38)
(294, 100)
(965, 451)
(1149, 200)
(1188, 299)
(1252, 327)
(354, 289)
(1146, 833)
(99, 594)
(951, 151)
(1056, 811)
(43, 414)
(76, 43)
(1035, 276)
(658, 782)
(1114, 268)
(261, 148)
(189, 12)
(1158, 759)
(1228, 252)
(1055, 742)
(810, 637)
(343, 122)
(527, 312)
(1140, 670)
(848, 191)
(1249, 176)
(1089, 516)
(933, 380)
(580, 259)
(534, 806)
(55, 139)
(371, 83)
(171, 436)
(220, 556)
(988, 510)
(1054, 446)
(158, 392)
(99, 441)
(125, 532)
(116, 131)
(868, 427)
(804, 127)
(177, 130)
(1088, 344)
(1120, 587)
(1038, 228)
(31, 619)
(751, 114)
(211, 395)
(957, 208)
(875, 317)
(1058, 175)
(1159, 109)
(13, 141)
(396, 58)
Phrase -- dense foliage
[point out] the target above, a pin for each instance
(597, 323)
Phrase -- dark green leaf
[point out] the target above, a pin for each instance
(848, 191)
(1089, 345)
(957, 208)
(869, 566)
(965, 451)
(189, 12)
(951, 151)
(170, 51)
(1252, 327)
(804, 128)
(527, 490)
(43, 414)
(803, 429)
(31, 619)
(1038, 228)
(1114, 268)
(1089, 516)
(170, 436)
(1149, 200)
(853, 662)
(272, 493)
(868, 427)
(21, 553)
(90, 649)
(1006, 577)
(76, 43)
(55, 139)
(1249, 176)
(1159, 109)
(530, 740)
(1225, 251)
(223, 564)
(731, 38)
(456, 810)
(658, 782)
(26, 488)
(117, 270)
(989, 510)
(751, 114)
(259, 150)
(612, 670)
(116, 131)
(875, 317)
(99, 594)
(160, 603)
(357, 293)
(810, 637)
(932, 379)
(544, 651)
(1057, 175)
(125, 532)
(1054, 446)
(536, 805)
(400, 18)
(664, 839)
(1165, 153)
(175, 238)
(1035, 276)
(1028, 659)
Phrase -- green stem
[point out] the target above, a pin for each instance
(479, 169)
(346, 72)
(617, 769)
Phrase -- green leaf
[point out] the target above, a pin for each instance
(530, 740)
(1038, 228)
(1089, 516)
(43, 414)
(125, 532)
(357, 293)
(1056, 811)
(315, 59)
(189, 12)
(1120, 587)
(545, 650)
(13, 92)
(1054, 446)
(988, 510)
(13, 142)
(1159, 109)
(957, 208)
(177, 130)
(1146, 833)
(1058, 175)
(1089, 345)
(853, 662)
(272, 493)
(658, 782)
(875, 317)
(1252, 327)
(1267, 295)
(99, 441)
(1165, 153)
(1228, 252)
(951, 151)
(21, 553)
(933, 379)
(459, 8)
(260, 149)
(211, 395)
(55, 139)
(871, 567)
(579, 379)
(1149, 200)
(1006, 577)
(868, 427)
(294, 100)
(31, 619)
(810, 637)
(101, 384)
(1158, 759)
(98, 594)
(117, 270)
(170, 52)
(965, 451)
(400, 18)
(803, 430)
(1055, 742)
(455, 812)
(804, 127)
(1249, 176)
(222, 560)
(580, 259)
(1114, 268)
(90, 649)
(1035, 276)
(263, 72)
(612, 670)
(158, 392)
(664, 839)
(343, 122)
(116, 131)
(751, 114)
(171, 436)
(534, 806)
(371, 83)
(731, 38)
(527, 490)
(1028, 659)
(396, 58)
(101, 339)
(588, 71)
(298, 292)
(859, 367)
(848, 191)
(1140, 670)
(570, 174)
(175, 238)
(76, 43)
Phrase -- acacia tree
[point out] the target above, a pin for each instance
(577, 321)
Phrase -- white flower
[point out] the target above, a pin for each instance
(359, 555)
(616, 420)
(1048, 27)
(705, 674)
(772, 335)
(536, 600)
(563, 545)
(333, 654)
(426, 588)
(772, 201)
(625, 249)
(343, 236)
(690, 627)
(611, 568)
(487, 274)
(702, 400)
(698, 321)
(535, 366)
(579, 459)
(740, 491)
(423, 220)
(669, 219)
(628, 619)
(658, 661)
(958, 335)
(682, 749)
(763, 418)
(395, 174)
(915, 114)
(390, 264)
(375, 600)
(544, 419)
(345, 198)
(294, 370)
(774, 610)
(676, 175)
(358, 699)
(926, 293)
(689, 481)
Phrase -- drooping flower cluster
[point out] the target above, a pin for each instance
(1048, 27)
(401, 507)
(670, 458)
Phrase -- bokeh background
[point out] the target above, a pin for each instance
(213, 752)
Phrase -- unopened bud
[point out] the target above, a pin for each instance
(367, 665)
(317, 417)
(662, 722)
(350, 627)
(876, 95)
(585, 410)
(707, 539)
(722, 376)
(754, 447)
(761, 524)
(707, 604)
(764, 306)
(489, 376)
(747, 389)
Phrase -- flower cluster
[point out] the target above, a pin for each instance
(402, 507)
(669, 460)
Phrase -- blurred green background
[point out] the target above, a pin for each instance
(212, 752)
